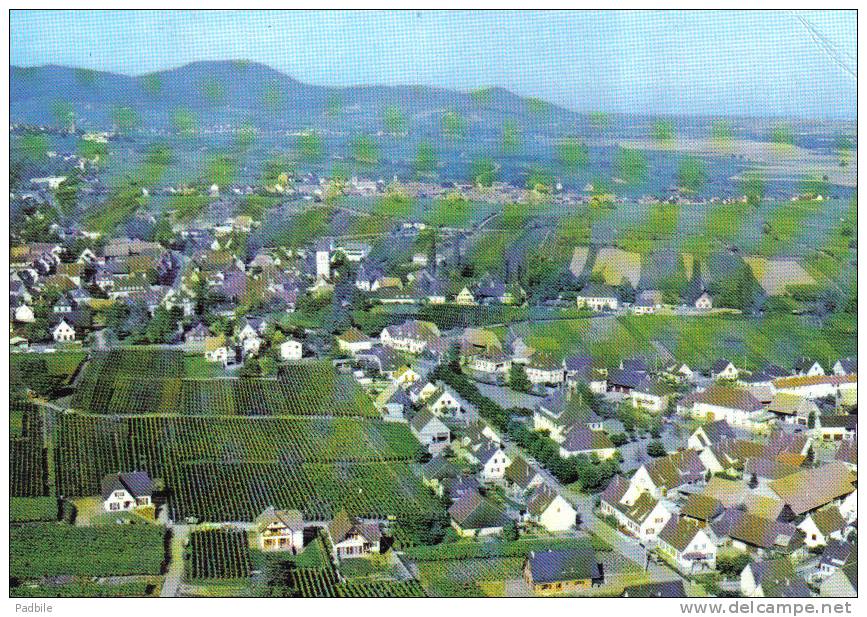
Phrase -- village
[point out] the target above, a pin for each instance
(657, 478)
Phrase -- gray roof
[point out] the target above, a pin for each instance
(571, 564)
(136, 483)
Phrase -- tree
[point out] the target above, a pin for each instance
(730, 565)
(483, 172)
(655, 449)
(425, 159)
(753, 187)
(510, 531)
(518, 379)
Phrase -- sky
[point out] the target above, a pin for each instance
(671, 62)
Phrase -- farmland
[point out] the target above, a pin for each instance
(27, 456)
(218, 553)
(779, 339)
(55, 549)
(230, 469)
(113, 383)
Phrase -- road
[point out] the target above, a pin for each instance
(583, 504)
(175, 572)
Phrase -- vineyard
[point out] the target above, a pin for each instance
(324, 583)
(230, 469)
(112, 383)
(218, 553)
(44, 373)
(27, 455)
(53, 549)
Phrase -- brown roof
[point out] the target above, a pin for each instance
(794, 382)
(701, 507)
(679, 532)
(809, 489)
(828, 519)
(729, 397)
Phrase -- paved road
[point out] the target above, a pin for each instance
(583, 504)
(175, 573)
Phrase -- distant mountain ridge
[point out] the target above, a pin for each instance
(217, 87)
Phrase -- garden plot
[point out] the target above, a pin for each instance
(616, 265)
(775, 275)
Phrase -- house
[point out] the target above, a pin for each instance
(216, 349)
(195, 336)
(447, 403)
(709, 434)
(847, 453)
(250, 327)
(668, 473)
(647, 302)
(547, 508)
(465, 297)
(819, 386)
(23, 313)
(623, 381)
(456, 487)
(126, 491)
(702, 509)
(845, 366)
(560, 411)
(702, 302)
(807, 367)
(834, 556)
(723, 369)
(650, 395)
(759, 533)
(290, 350)
(639, 513)
(841, 584)
(598, 297)
(580, 440)
(849, 507)
(411, 336)
(543, 368)
(731, 455)
(430, 431)
(353, 340)
(250, 345)
(521, 477)
(793, 409)
(836, 428)
(772, 578)
(63, 332)
(393, 402)
(562, 570)
(810, 489)
(491, 362)
(667, 589)
(436, 471)
(822, 526)
(63, 305)
(474, 515)
(494, 462)
(351, 538)
(687, 545)
(280, 530)
(723, 402)
(681, 372)
(405, 376)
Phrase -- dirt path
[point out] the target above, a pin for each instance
(175, 573)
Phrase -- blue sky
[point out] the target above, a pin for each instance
(703, 62)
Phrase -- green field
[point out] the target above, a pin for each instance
(148, 381)
(752, 342)
(56, 549)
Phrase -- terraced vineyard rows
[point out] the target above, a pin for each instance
(230, 469)
(112, 385)
(225, 491)
(90, 446)
(219, 553)
(323, 583)
(27, 455)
